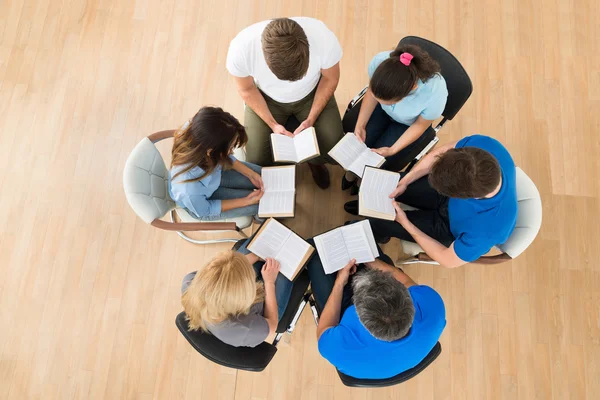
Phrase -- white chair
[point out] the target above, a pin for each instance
(146, 185)
(529, 221)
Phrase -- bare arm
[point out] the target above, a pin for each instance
(366, 110)
(253, 198)
(445, 256)
(396, 273)
(330, 316)
(408, 137)
(269, 273)
(253, 99)
(330, 78)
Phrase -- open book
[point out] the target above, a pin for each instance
(280, 192)
(300, 148)
(374, 195)
(275, 240)
(337, 247)
(353, 155)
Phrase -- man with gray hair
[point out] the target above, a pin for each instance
(379, 325)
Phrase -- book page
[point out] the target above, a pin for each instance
(283, 148)
(332, 250)
(367, 158)
(273, 203)
(291, 254)
(277, 179)
(357, 243)
(370, 238)
(375, 189)
(347, 151)
(270, 240)
(305, 144)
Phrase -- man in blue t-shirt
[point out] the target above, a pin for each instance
(467, 199)
(388, 323)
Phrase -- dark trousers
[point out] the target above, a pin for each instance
(383, 131)
(322, 284)
(431, 218)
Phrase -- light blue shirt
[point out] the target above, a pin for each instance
(427, 100)
(195, 196)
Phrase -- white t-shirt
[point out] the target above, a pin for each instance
(245, 58)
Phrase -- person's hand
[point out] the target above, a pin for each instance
(384, 151)
(401, 217)
(254, 197)
(270, 270)
(256, 180)
(307, 123)
(281, 130)
(401, 188)
(361, 133)
(344, 273)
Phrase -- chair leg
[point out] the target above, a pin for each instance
(294, 321)
(313, 308)
(208, 241)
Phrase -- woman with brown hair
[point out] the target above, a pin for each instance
(205, 178)
(406, 93)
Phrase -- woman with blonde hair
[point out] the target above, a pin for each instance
(225, 298)
(205, 178)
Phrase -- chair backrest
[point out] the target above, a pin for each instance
(146, 182)
(457, 80)
(529, 217)
(245, 358)
(394, 380)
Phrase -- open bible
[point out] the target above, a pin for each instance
(374, 195)
(353, 155)
(279, 198)
(301, 147)
(337, 247)
(275, 240)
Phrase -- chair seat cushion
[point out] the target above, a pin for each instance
(241, 222)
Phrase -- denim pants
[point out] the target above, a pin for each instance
(283, 286)
(322, 283)
(383, 131)
(431, 217)
(234, 186)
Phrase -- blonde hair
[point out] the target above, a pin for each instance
(224, 288)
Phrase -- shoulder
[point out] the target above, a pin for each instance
(249, 34)
(428, 303)
(490, 145)
(311, 25)
(189, 174)
(377, 60)
(437, 84)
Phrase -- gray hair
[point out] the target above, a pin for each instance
(383, 304)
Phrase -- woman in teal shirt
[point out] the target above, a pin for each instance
(406, 94)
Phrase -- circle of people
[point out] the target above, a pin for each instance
(375, 322)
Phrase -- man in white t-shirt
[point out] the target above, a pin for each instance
(285, 67)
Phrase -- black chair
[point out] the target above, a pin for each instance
(248, 358)
(459, 90)
(379, 383)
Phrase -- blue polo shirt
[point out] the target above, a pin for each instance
(354, 351)
(480, 224)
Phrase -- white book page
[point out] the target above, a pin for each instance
(366, 225)
(348, 150)
(283, 147)
(279, 178)
(305, 144)
(367, 158)
(332, 250)
(375, 189)
(291, 254)
(276, 203)
(357, 243)
(271, 240)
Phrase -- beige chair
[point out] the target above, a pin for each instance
(146, 185)
(529, 221)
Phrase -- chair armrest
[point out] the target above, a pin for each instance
(158, 136)
(194, 226)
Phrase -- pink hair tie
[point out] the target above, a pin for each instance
(406, 58)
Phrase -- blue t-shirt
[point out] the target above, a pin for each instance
(480, 224)
(427, 100)
(195, 196)
(354, 351)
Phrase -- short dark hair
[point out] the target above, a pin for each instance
(286, 50)
(383, 304)
(464, 173)
(392, 80)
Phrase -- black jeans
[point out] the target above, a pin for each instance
(431, 218)
(322, 284)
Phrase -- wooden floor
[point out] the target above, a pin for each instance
(89, 293)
